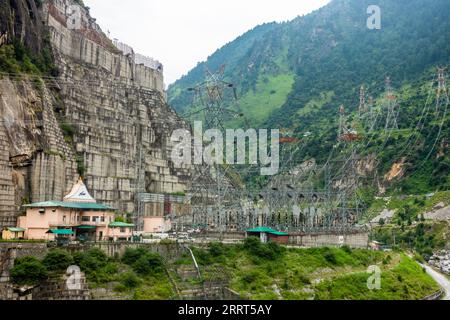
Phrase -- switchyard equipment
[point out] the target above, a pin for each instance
(290, 201)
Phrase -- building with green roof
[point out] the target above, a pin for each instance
(12, 233)
(77, 217)
(70, 205)
(268, 234)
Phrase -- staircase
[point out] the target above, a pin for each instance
(195, 283)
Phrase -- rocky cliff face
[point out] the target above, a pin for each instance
(104, 117)
(36, 163)
(20, 19)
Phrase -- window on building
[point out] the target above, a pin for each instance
(86, 219)
(122, 230)
(103, 219)
(96, 219)
(64, 219)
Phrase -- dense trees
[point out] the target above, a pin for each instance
(331, 50)
(28, 271)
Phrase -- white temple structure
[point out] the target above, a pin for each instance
(79, 193)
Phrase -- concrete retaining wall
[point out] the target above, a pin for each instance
(114, 250)
(11, 251)
(355, 240)
(8, 253)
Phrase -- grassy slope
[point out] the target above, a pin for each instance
(270, 94)
(146, 288)
(406, 281)
(409, 229)
(417, 204)
(322, 273)
(330, 66)
(256, 271)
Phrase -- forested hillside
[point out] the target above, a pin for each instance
(295, 75)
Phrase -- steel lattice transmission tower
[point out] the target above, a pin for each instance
(211, 190)
(441, 92)
(344, 185)
(211, 94)
(366, 112)
(346, 133)
(391, 106)
(371, 115)
(362, 109)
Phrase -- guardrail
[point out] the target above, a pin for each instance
(435, 296)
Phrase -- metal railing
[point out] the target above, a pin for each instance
(435, 296)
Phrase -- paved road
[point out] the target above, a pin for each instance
(441, 279)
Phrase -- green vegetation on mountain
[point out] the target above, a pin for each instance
(295, 75)
(139, 275)
(424, 238)
(252, 269)
(15, 59)
(28, 271)
(269, 271)
(406, 281)
(410, 228)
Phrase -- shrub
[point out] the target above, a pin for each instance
(133, 255)
(81, 167)
(251, 276)
(97, 265)
(91, 260)
(67, 129)
(143, 261)
(142, 267)
(28, 271)
(330, 257)
(149, 264)
(419, 258)
(426, 253)
(216, 249)
(98, 255)
(346, 249)
(275, 249)
(129, 280)
(270, 251)
(251, 242)
(167, 242)
(58, 260)
(120, 288)
(202, 256)
(303, 278)
(77, 257)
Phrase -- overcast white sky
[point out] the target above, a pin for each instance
(180, 33)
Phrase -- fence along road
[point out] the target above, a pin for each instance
(443, 281)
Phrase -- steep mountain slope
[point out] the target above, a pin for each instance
(295, 75)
